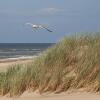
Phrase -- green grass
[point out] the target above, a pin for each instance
(72, 63)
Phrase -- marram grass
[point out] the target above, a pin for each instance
(74, 62)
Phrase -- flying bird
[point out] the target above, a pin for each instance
(38, 27)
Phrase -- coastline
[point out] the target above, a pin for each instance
(7, 62)
(63, 67)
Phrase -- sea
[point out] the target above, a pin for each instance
(22, 50)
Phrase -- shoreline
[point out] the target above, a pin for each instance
(17, 58)
(7, 62)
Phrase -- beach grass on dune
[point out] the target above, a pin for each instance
(72, 63)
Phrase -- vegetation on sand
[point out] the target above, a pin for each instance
(74, 62)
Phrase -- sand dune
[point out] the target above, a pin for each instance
(48, 96)
(62, 96)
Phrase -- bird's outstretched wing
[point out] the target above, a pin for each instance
(38, 26)
(47, 29)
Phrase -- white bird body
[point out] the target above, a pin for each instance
(38, 26)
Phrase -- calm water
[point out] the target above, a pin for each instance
(14, 50)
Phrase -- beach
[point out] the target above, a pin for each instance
(62, 72)
(49, 50)
(52, 96)
(6, 63)
(29, 95)
(19, 53)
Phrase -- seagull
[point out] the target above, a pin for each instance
(38, 26)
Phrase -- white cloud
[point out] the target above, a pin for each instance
(49, 11)
(41, 12)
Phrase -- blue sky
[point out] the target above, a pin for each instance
(64, 17)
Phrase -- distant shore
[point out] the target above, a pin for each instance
(7, 62)
(16, 59)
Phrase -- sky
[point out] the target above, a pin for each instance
(63, 17)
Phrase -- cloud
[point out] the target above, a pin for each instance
(49, 11)
(37, 12)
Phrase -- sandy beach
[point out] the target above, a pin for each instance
(51, 96)
(78, 95)
(49, 49)
(6, 63)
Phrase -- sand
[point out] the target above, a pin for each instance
(62, 96)
(6, 63)
(47, 96)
